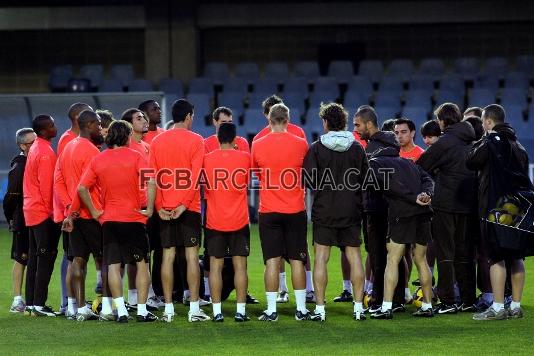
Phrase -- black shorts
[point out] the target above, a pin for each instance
(222, 244)
(20, 246)
(125, 242)
(413, 230)
(85, 239)
(182, 232)
(337, 236)
(152, 229)
(46, 237)
(284, 235)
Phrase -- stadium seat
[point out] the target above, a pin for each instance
(432, 66)
(514, 96)
(202, 103)
(419, 98)
(294, 100)
(59, 77)
(295, 116)
(386, 112)
(267, 86)
(403, 68)
(326, 84)
(236, 85)
(453, 82)
(202, 129)
(417, 114)
(450, 96)
(217, 71)
(371, 68)
(496, 66)
(122, 72)
(391, 83)
(172, 86)
(201, 86)
(517, 80)
(307, 69)
(422, 82)
(313, 126)
(255, 100)
(118, 103)
(354, 99)
(296, 85)
(530, 115)
(361, 84)
(140, 85)
(232, 100)
(253, 121)
(81, 85)
(110, 86)
(525, 63)
(247, 70)
(467, 67)
(528, 144)
(488, 81)
(322, 96)
(58, 106)
(388, 98)
(341, 70)
(93, 72)
(14, 115)
(276, 70)
(481, 97)
(515, 116)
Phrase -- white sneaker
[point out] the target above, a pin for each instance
(154, 302)
(317, 316)
(203, 303)
(283, 297)
(69, 315)
(85, 316)
(17, 307)
(167, 317)
(199, 316)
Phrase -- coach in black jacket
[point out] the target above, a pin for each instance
(375, 208)
(13, 211)
(455, 223)
(337, 165)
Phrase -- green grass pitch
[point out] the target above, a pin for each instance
(340, 334)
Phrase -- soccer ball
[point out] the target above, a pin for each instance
(418, 298)
(97, 304)
(367, 298)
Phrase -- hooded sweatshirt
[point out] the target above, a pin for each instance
(335, 168)
(445, 160)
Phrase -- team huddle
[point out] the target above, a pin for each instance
(143, 201)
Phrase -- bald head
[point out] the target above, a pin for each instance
(76, 109)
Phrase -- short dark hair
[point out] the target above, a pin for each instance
(430, 128)
(227, 133)
(388, 125)
(76, 108)
(368, 114)
(476, 122)
(86, 117)
(268, 103)
(475, 109)
(406, 121)
(221, 110)
(119, 133)
(106, 118)
(449, 113)
(494, 112)
(39, 123)
(335, 116)
(279, 113)
(128, 114)
(144, 105)
(180, 109)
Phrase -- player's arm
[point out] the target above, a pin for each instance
(88, 181)
(60, 187)
(151, 191)
(45, 178)
(478, 155)
(310, 171)
(392, 188)
(196, 165)
(13, 194)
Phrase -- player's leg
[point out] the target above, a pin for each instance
(193, 281)
(357, 277)
(215, 279)
(320, 276)
(296, 249)
(346, 294)
(30, 271)
(131, 271)
(518, 283)
(241, 285)
(19, 254)
(142, 281)
(395, 254)
(310, 290)
(167, 278)
(425, 279)
(464, 261)
(283, 293)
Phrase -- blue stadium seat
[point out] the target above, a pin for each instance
(202, 103)
(326, 84)
(295, 116)
(341, 70)
(140, 85)
(432, 66)
(313, 126)
(14, 115)
(481, 97)
(450, 96)
(419, 98)
(517, 80)
(123, 72)
(453, 82)
(294, 100)
(386, 112)
(267, 86)
(307, 69)
(417, 114)
(296, 85)
(253, 121)
(388, 98)
(371, 68)
(391, 83)
(59, 77)
(236, 85)
(361, 84)
(233, 100)
(58, 107)
(322, 96)
(82, 85)
(531, 116)
(118, 103)
(496, 66)
(217, 71)
(514, 96)
(255, 100)
(202, 129)
(525, 63)
(110, 86)
(515, 116)
(201, 86)
(93, 72)
(488, 81)
(422, 82)
(528, 144)
(172, 86)
(403, 68)
(467, 67)
(276, 70)
(247, 70)
(354, 99)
